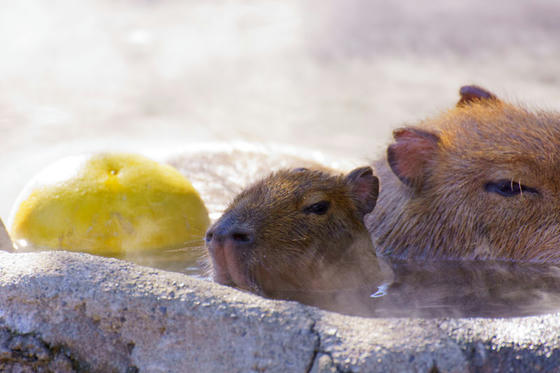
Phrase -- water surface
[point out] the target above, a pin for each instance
(428, 289)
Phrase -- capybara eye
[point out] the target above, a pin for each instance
(319, 208)
(508, 188)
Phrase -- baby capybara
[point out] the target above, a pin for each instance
(297, 230)
(481, 181)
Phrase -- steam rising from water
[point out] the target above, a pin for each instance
(133, 76)
(426, 290)
(444, 289)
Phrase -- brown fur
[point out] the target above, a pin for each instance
(269, 242)
(435, 201)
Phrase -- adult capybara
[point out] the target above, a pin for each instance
(297, 230)
(480, 181)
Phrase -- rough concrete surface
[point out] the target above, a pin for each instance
(75, 312)
(108, 315)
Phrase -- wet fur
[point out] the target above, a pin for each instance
(294, 250)
(446, 211)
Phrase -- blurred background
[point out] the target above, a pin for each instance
(154, 76)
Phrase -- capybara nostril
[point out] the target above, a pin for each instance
(229, 229)
(242, 237)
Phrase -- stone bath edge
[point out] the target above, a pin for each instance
(69, 311)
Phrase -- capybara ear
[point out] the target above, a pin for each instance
(365, 186)
(474, 93)
(408, 155)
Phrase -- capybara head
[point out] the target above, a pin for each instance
(481, 181)
(293, 230)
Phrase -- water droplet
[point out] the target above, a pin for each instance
(381, 291)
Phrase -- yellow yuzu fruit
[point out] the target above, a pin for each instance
(109, 204)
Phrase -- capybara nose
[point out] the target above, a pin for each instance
(238, 235)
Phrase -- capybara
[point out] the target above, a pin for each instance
(297, 230)
(480, 181)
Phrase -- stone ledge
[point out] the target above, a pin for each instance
(82, 312)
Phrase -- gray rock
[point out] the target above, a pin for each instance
(108, 315)
(323, 364)
(73, 312)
